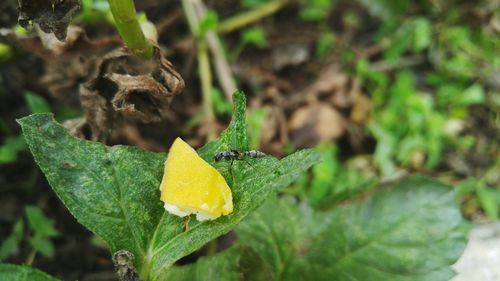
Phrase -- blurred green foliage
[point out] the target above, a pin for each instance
(331, 180)
(255, 36)
(220, 103)
(41, 231)
(13, 144)
(94, 11)
(255, 120)
(36, 103)
(315, 10)
(10, 147)
(208, 22)
(324, 44)
(385, 9)
(5, 53)
(475, 193)
(10, 244)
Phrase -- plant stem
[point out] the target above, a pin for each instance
(206, 86)
(221, 66)
(31, 257)
(203, 66)
(251, 16)
(126, 22)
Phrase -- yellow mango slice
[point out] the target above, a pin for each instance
(192, 186)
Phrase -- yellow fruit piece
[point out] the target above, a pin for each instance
(192, 186)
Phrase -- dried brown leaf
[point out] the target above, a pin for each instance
(53, 16)
(123, 84)
(315, 123)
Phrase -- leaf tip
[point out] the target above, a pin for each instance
(36, 117)
(239, 104)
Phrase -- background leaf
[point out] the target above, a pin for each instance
(222, 266)
(114, 192)
(409, 231)
(42, 245)
(12, 272)
(39, 223)
(36, 103)
(11, 243)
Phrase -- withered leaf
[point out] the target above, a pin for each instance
(53, 16)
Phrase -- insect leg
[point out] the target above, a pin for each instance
(186, 223)
(249, 163)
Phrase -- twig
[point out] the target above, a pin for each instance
(168, 21)
(206, 86)
(203, 65)
(222, 69)
(126, 22)
(31, 257)
(249, 17)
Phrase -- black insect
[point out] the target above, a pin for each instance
(237, 155)
(234, 154)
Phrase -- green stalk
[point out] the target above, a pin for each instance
(203, 66)
(251, 16)
(206, 86)
(126, 22)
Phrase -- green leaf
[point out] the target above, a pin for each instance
(254, 36)
(11, 243)
(315, 10)
(324, 173)
(255, 120)
(42, 245)
(221, 105)
(39, 223)
(385, 9)
(208, 22)
(422, 34)
(36, 103)
(237, 263)
(473, 95)
(324, 44)
(114, 192)
(489, 200)
(253, 3)
(10, 148)
(222, 266)
(12, 272)
(408, 231)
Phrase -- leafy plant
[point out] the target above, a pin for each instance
(114, 191)
(315, 10)
(324, 44)
(10, 148)
(36, 103)
(385, 9)
(11, 243)
(221, 105)
(254, 36)
(21, 273)
(255, 120)
(330, 180)
(368, 240)
(42, 230)
(94, 11)
(476, 193)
